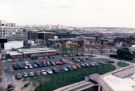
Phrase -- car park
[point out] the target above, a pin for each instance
(49, 71)
(31, 74)
(18, 76)
(43, 72)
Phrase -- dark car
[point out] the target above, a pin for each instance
(69, 67)
(48, 63)
(35, 65)
(55, 70)
(18, 76)
(53, 63)
(20, 66)
(15, 67)
(44, 63)
(39, 64)
(10, 87)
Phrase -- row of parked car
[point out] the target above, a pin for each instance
(40, 64)
(79, 59)
(55, 70)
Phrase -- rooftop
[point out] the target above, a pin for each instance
(122, 80)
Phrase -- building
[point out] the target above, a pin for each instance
(13, 45)
(118, 80)
(31, 52)
(10, 31)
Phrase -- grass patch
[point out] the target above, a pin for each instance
(122, 64)
(51, 82)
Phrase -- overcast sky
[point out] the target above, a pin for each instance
(92, 13)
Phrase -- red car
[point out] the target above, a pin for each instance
(78, 66)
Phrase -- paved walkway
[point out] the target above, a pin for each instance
(115, 60)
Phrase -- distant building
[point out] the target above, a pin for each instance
(31, 52)
(10, 31)
(13, 45)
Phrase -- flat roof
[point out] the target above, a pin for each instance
(120, 80)
(13, 53)
(36, 50)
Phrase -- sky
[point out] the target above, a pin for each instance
(90, 13)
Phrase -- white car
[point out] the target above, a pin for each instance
(43, 72)
(25, 74)
(31, 74)
(26, 67)
(30, 66)
(49, 71)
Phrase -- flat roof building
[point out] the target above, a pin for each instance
(118, 80)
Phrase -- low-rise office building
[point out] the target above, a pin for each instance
(31, 52)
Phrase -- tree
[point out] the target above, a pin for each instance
(124, 53)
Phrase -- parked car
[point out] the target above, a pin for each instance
(53, 63)
(78, 66)
(87, 65)
(20, 67)
(26, 67)
(38, 73)
(30, 66)
(15, 67)
(43, 72)
(69, 67)
(49, 71)
(44, 64)
(35, 65)
(31, 74)
(55, 70)
(25, 74)
(18, 76)
(64, 69)
(39, 64)
(74, 67)
(10, 87)
(48, 63)
(83, 65)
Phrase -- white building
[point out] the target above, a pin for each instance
(10, 30)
